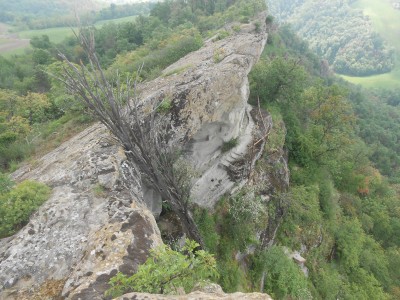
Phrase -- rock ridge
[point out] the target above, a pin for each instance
(99, 218)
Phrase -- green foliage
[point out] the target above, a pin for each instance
(279, 80)
(219, 55)
(40, 42)
(232, 277)
(222, 34)
(338, 208)
(327, 281)
(207, 225)
(350, 238)
(283, 278)
(5, 183)
(362, 285)
(327, 199)
(303, 217)
(167, 270)
(165, 106)
(233, 228)
(18, 203)
(379, 128)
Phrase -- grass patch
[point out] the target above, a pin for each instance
(56, 35)
(165, 106)
(116, 21)
(99, 190)
(178, 70)
(43, 139)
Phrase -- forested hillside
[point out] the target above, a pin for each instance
(338, 33)
(341, 210)
(339, 207)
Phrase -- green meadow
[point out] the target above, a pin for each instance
(386, 21)
(56, 35)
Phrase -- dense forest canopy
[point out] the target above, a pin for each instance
(339, 33)
(342, 209)
(340, 140)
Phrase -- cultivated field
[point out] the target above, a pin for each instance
(16, 43)
(9, 42)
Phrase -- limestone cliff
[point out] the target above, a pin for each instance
(97, 220)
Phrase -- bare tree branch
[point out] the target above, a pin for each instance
(143, 136)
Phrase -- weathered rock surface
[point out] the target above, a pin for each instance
(196, 296)
(95, 222)
(209, 90)
(91, 225)
(209, 292)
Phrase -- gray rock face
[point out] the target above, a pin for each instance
(197, 296)
(97, 220)
(209, 90)
(90, 225)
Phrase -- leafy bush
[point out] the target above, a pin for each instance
(18, 204)
(5, 183)
(206, 223)
(284, 280)
(166, 270)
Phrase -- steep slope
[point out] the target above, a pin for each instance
(97, 221)
(339, 33)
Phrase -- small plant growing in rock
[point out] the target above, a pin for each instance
(165, 106)
(257, 26)
(232, 143)
(219, 55)
(99, 190)
(222, 34)
(236, 28)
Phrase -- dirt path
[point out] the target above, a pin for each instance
(13, 44)
(3, 28)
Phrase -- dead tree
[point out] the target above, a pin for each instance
(143, 136)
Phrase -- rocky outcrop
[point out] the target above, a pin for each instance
(197, 296)
(208, 292)
(90, 227)
(208, 90)
(97, 221)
